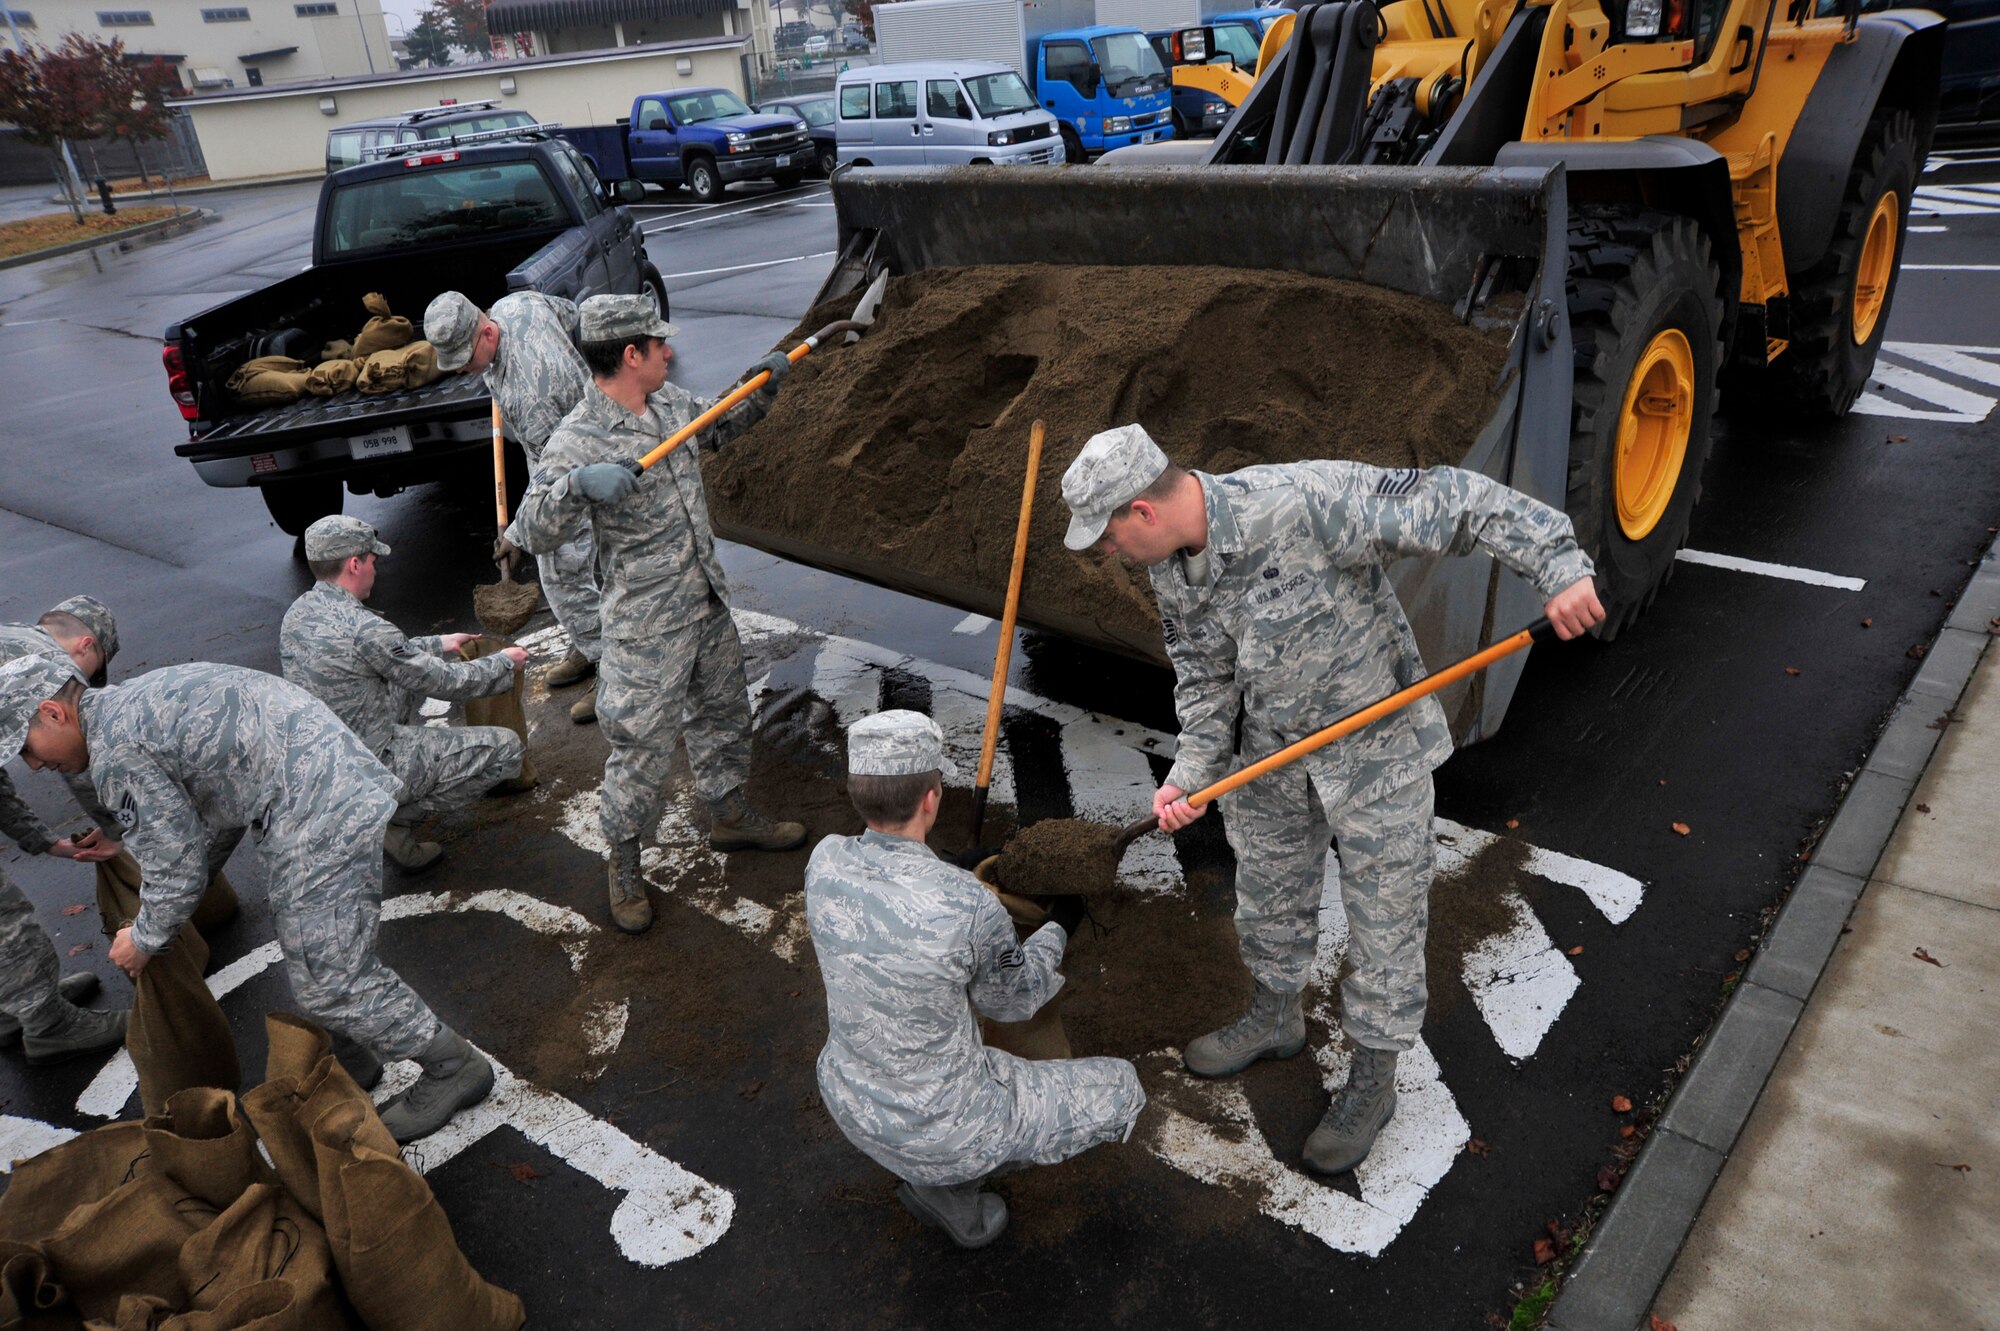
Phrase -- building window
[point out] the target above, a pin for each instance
(225, 16)
(20, 18)
(253, 76)
(316, 10)
(124, 18)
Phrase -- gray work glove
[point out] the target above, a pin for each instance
(604, 482)
(779, 364)
(1066, 913)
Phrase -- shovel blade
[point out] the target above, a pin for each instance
(871, 300)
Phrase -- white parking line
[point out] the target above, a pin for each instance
(1786, 571)
(739, 212)
(1952, 267)
(745, 267)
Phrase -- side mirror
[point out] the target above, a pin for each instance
(629, 191)
(1093, 79)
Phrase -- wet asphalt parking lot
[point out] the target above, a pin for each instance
(701, 1185)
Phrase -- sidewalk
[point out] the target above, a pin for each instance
(1862, 1191)
(1846, 1106)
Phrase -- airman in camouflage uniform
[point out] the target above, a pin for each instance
(376, 680)
(1275, 603)
(38, 1002)
(908, 946)
(672, 664)
(526, 348)
(193, 749)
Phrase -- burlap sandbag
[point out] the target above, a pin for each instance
(45, 1188)
(502, 709)
(265, 1236)
(338, 349)
(333, 376)
(383, 332)
(128, 1243)
(392, 371)
(177, 1035)
(218, 904)
(303, 1081)
(31, 1297)
(1042, 1035)
(205, 1145)
(399, 1264)
(268, 381)
(270, 1306)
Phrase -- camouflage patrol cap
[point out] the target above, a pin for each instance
(1114, 468)
(26, 683)
(96, 617)
(897, 743)
(340, 536)
(616, 318)
(449, 325)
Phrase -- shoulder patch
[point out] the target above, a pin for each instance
(1398, 482)
(128, 811)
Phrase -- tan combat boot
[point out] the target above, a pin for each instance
(75, 989)
(456, 1076)
(1274, 1027)
(737, 826)
(407, 853)
(572, 669)
(1359, 1112)
(631, 911)
(584, 710)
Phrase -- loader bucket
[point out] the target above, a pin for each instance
(1487, 243)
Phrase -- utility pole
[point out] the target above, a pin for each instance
(359, 23)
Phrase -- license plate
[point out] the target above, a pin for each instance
(1149, 136)
(784, 159)
(380, 443)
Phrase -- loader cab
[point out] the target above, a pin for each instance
(1202, 60)
(1106, 85)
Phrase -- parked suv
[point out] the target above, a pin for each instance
(943, 113)
(351, 144)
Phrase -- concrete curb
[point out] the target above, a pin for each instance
(222, 187)
(160, 230)
(1621, 1268)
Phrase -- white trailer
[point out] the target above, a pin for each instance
(973, 29)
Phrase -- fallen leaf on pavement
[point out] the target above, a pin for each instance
(81, 948)
(1628, 1132)
(1919, 954)
(524, 1172)
(1917, 651)
(1478, 1148)
(751, 1089)
(1923, 808)
(1793, 670)
(1743, 954)
(1655, 1322)
(1607, 1179)
(1681, 828)
(1956, 1169)
(1576, 951)
(1868, 623)
(1545, 1252)
(1621, 1104)
(1513, 823)
(1899, 439)
(78, 909)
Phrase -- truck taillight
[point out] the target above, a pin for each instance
(177, 381)
(431, 159)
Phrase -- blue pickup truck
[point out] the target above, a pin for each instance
(703, 138)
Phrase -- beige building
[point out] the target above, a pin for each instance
(225, 43)
(554, 27)
(247, 132)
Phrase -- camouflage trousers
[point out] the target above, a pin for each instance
(1279, 831)
(28, 966)
(448, 767)
(569, 580)
(1057, 1108)
(326, 909)
(686, 683)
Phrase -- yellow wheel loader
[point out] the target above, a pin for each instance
(1652, 198)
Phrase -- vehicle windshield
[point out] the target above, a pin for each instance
(1129, 63)
(999, 94)
(432, 206)
(477, 124)
(697, 107)
(818, 111)
(1238, 40)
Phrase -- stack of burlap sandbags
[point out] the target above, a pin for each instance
(384, 357)
(176, 1223)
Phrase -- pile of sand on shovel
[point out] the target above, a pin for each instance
(503, 607)
(1060, 857)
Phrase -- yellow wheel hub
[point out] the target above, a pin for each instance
(1653, 432)
(1877, 266)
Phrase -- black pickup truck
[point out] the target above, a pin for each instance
(525, 213)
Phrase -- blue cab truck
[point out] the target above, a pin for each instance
(703, 138)
(1103, 82)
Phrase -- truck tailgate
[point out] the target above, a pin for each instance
(455, 396)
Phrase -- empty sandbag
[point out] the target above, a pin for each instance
(218, 904)
(501, 709)
(205, 1145)
(393, 370)
(398, 1262)
(31, 1297)
(128, 1243)
(178, 1036)
(265, 1237)
(45, 1188)
(303, 1081)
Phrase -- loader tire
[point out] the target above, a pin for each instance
(1645, 315)
(1840, 306)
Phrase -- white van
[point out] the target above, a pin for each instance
(942, 113)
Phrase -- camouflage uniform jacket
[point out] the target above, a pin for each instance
(539, 374)
(17, 820)
(1297, 623)
(908, 945)
(190, 750)
(361, 665)
(655, 549)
